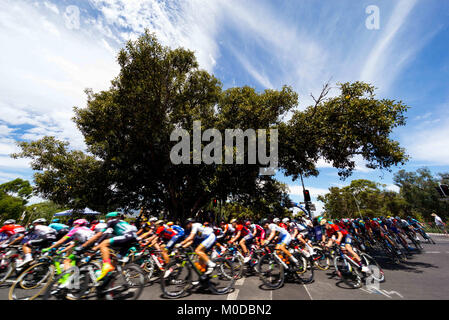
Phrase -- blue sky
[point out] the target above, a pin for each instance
(50, 54)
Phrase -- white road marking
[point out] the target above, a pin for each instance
(233, 295)
(307, 290)
(240, 282)
(432, 252)
(271, 294)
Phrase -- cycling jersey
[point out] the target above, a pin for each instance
(12, 229)
(229, 229)
(260, 231)
(165, 232)
(99, 227)
(81, 234)
(243, 230)
(200, 231)
(58, 226)
(334, 229)
(284, 235)
(119, 227)
(205, 234)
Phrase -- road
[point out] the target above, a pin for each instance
(423, 276)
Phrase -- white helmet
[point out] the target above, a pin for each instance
(276, 220)
(40, 220)
(152, 219)
(285, 220)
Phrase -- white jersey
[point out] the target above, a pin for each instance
(81, 234)
(99, 227)
(43, 231)
(274, 227)
(201, 231)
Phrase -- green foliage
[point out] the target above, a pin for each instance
(364, 195)
(419, 191)
(45, 210)
(127, 130)
(13, 198)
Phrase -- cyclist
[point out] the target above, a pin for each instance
(284, 237)
(206, 237)
(61, 229)
(343, 239)
(243, 236)
(13, 231)
(119, 234)
(41, 236)
(79, 233)
(257, 231)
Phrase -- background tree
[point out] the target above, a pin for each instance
(14, 195)
(419, 191)
(127, 132)
(373, 201)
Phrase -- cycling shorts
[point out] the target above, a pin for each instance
(209, 241)
(248, 237)
(176, 238)
(285, 239)
(123, 240)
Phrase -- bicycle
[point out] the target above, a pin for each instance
(177, 278)
(126, 282)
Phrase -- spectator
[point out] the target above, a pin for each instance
(439, 223)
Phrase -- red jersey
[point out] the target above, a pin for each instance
(243, 230)
(283, 225)
(334, 229)
(12, 229)
(166, 233)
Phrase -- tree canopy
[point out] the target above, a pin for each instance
(127, 132)
(14, 195)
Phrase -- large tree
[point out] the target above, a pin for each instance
(14, 195)
(419, 190)
(362, 198)
(127, 132)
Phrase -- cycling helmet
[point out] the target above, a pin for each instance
(323, 222)
(55, 220)
(152, 219)
(189, 220)
(170, 223)
(159, 222)
(9, 221)
(81, 222)
(264, 221)
(233, 220)
(112, 215)
(276, 220)
(40, 220)
(95, 222)
(247, 223)
(285, 220)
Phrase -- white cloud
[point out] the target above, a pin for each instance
(429, 144)
(392, 187)
(51, 7)
(10, 163)
(314, 192)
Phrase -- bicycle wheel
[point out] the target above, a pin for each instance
(126, 283)
(73, 284)
(32, 282)
(6, 270)
(176, 280)
(349, 274)
(237, 263)
(223, 277)
(320, 259)
(376, 271)
(304, 269)
(271, 271)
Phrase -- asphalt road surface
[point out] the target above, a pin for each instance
(424, 275)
